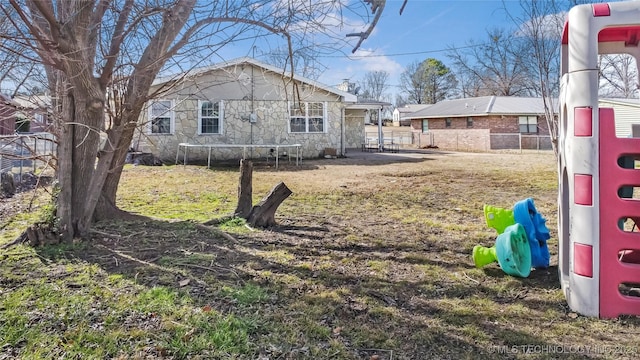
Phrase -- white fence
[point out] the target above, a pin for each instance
(21, 153)
(391, 137)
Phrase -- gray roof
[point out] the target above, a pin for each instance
(41, 101)
(482, 106)
(348, 97)
(411, 108)
(367, 104)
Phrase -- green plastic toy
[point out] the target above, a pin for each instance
(498, 218)
(524, 212)
(511, 250)
(484, 255)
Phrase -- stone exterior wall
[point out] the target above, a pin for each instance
(271, 127)
(354, 128)
(236, 87)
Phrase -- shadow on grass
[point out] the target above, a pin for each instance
(369, 298)
(355, 158)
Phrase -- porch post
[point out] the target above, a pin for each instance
(380, 134)
(343, 131)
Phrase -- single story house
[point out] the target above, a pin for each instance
(247, 103)
(482, 123)
(23, 114)
(400, 113)
(627, 114)
(8, 110)
(35, 110)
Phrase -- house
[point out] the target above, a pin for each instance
(371, 110)
(8, 109)
(400, 113)
(24, 114)
(242, 103)
(34, 113)
(482, 123)
(627, 114)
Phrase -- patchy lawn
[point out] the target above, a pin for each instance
(371, 260)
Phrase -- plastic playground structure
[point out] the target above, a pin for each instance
(598, 200)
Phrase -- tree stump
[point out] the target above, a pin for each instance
(142, 158)
(7, 185)
(245, 189)
(263, 214)
(39, 235)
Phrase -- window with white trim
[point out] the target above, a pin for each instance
(210, 116)
(425, 126)
(528, 124)
(307, 117)
(161, 115)
(39, 118)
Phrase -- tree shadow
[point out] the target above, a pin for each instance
(379, 311)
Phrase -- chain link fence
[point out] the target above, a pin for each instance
(398, 137)
(23, 153)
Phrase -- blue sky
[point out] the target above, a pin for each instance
(425, 29)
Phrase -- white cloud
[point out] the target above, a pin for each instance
(375, 60)
(355, 67)
(549, 25)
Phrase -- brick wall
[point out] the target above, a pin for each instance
(456, 139)
(486, 133)
(496, 123)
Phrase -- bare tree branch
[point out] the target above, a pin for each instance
(377, 6)
(116, 41)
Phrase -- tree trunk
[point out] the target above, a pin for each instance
(7, 185)
(245, 189)
(263, 214)
(64, 171)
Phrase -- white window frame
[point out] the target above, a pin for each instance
(171, 116)
(220, 117)
(528, 123)
(39, 118)
(307, 117)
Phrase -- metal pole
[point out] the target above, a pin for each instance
(380, 134)
(21, 155)
(35, 153)
(520, 141)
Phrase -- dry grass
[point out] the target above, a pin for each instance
(371, 259)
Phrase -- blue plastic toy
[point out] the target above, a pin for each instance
(524, 212)
(511, 251)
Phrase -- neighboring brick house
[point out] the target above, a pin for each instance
(8, 109)
(34, 111)
(243, 102)
(23, 114)
(482, 123)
